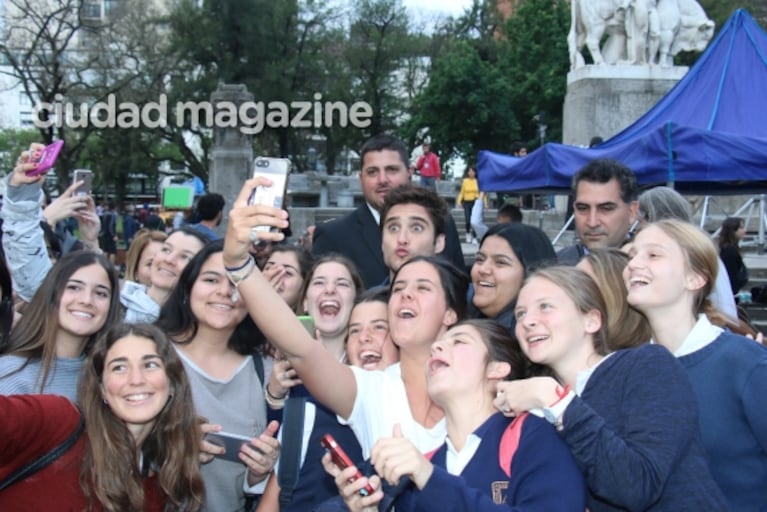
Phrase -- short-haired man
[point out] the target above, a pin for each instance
(357, 235)
(413, 222)
(210, 208)
(605, 207)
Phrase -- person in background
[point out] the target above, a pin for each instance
(140, 443)
(732, 232)
(130, 224)
(138, 261)
(76, 303)
(605, 208)
(508, 253)
(286, 268)
(629, 417)
(669, 278)
(627, 327)
(429, 168)
(108, 236)
(210, 208)
(468, 194)
(509, 213)
(142, 303)
(358, 234)
(28, 230)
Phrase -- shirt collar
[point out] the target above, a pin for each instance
(702, 334)
(375, 213)
(584, 375)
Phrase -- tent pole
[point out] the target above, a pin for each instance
(562, 231)
(704, 213)
(762, 221)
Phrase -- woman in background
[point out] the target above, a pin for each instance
(138, 261)
(733, 231)
(626, 327)
(468, 194)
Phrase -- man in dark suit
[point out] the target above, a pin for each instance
(357, 235)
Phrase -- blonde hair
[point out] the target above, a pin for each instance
(142, 239)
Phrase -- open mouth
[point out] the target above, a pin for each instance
(370, 359)
(329, 308)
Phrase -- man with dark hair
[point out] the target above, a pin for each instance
(210, 208)
(604, 208)
(357, 235)
(509, 213)
(413, 223)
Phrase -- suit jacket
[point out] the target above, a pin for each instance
(357, 236)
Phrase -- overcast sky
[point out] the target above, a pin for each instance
(446, 7)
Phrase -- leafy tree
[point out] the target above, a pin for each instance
(536, 61)
(12, 143)
(466, 106)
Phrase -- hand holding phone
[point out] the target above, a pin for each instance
(86, 187)
(342, 460)
(47, 158)
(276, 170)
(230, 442)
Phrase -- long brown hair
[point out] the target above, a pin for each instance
(35, 337)
(109, 473)
(626, 327)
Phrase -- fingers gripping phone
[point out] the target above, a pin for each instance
(343, 461)
(47, 158)
(276, 170)
(86, 176)
(230, 442)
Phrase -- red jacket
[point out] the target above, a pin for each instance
(32, 425)
(428, 164)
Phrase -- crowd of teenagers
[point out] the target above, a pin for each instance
(612, 375)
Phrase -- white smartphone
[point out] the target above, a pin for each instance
(276, 170)
(230, 442)
(86, 176)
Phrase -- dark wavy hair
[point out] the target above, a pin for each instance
(35, 337)
(177, 319)
(501, 346)
(109, 473)
(727, 237)
(455, 283)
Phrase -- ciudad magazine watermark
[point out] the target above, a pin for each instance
(250, 117)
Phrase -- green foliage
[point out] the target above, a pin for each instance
(466, 105)
(536, 61)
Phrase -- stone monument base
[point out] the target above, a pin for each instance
(603, 100)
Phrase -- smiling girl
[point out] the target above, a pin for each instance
(140, 445)
(670, 275)
(629, 417)
(76, 303)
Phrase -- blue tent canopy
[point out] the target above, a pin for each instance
(708, 135)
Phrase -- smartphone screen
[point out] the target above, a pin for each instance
(231, 443)
(86, 176)
(308, 323)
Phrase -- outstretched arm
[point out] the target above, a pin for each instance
(330, 381)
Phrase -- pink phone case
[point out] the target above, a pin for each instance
(47, 159)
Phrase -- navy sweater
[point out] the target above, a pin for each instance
(729, 377)
(544, 476)
(634, 433)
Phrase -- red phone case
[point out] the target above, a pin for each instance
(47, 159)
(343, 461)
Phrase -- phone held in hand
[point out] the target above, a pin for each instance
(86, 176)
(308, 323)
(342, 460)
(231, 443)
(277, 171)
(47, 158)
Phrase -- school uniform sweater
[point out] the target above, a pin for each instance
(729, 377)
(62, 378)
(543, 474)
(634, 433)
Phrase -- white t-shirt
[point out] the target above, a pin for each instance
(380, 404)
